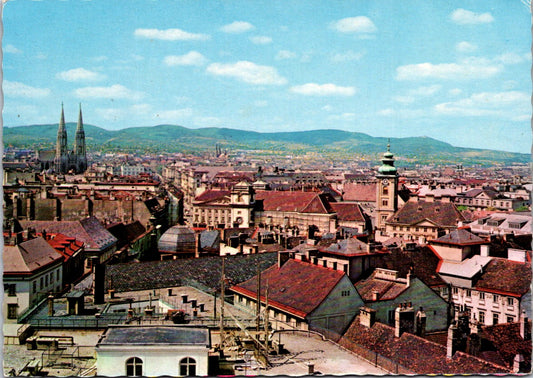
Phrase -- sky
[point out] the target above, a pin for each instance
(457, 71)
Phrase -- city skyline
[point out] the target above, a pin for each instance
(457, 71)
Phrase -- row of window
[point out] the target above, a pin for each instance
(482, 316)
(495, 297)
(407, 228)
(45, 280)
(134, 367)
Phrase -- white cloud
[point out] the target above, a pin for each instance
(446, 71)
(511, 58)
(10, 49)
(360, 24)
(170, 35)
(465, 47)
(313, 89)
(342, 117)
(116, 91)
(425, 91)
(327, 108)
(347, 56)
(192, 58)
(237, 27)
(404, 99)
(455, 91)
(261, 40)
(285, 54)
(248, 72)
(17, 89)
(79, 74)
(465, 17)
(505, 104)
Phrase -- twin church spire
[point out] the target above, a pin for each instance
(75, 160)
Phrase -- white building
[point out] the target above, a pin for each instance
(153, 351)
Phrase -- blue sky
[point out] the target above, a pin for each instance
(457, 71)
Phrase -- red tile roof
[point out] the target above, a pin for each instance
(212, 195)
(66, 246)
(305, 202)
(348, 211)
(29, 256)
(443, 214)
(89, 231)
(505, 277)
(414, 353)
(507, 341)
(297, 287)
(359, 192)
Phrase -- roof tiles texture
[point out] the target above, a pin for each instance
(297, 287)
(308, 202)
(29, 256)
(443, 214)
(386, 290)
(502, 275)
(415, 353)
(360, 192)
(348, 212)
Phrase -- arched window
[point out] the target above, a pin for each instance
(134, 367)
(187, 367)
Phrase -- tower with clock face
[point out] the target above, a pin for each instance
(387, 189)
(242, 205)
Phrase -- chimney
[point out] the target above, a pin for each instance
(44, 235)
(517, 363)
(282, 258)
(50, 305)
(408, 278)
(420, 323)
(198, 245)
(451, 345)
(367, 316)
(256, 249)
(524, 332)
(375, 295)
(404, 319)
(484, 250)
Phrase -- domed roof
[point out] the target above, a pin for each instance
(388, 162)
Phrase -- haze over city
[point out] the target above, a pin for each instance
(457, 71)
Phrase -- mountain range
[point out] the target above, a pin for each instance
(330, 143)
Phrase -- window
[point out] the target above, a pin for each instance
(510, 319)
(12, 310)
(481, 296)
(495, 318)
(11, 290)
(468, 293)
(188, 367)
(46, 280)
(134, 367)
(495, 298)
(34, 286)
(385, 202)
(41, 283)
(51, 278)
(385, 190)
(455, 290)
(482, 317)
(510, 302)
(345, 293)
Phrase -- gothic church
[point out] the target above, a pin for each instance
(75, 160)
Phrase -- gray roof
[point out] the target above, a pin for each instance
(177, 238)
(150, 335)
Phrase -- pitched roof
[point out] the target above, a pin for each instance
(297, 287)
(505, 277)
(460, 237)
(66, 246)
(29, 256)
(414, 353)
(348, 211)
(89, 231)
(212, 195)
(348, 247)
(308, 202)
(386, 289)
(507, 341)
(360, 192)
(443, 214)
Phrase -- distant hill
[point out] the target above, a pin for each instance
(331, 143)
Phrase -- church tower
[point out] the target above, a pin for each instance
(387, 189)
(79, 146)
(61, 159)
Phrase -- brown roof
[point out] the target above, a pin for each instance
(305, 202)
(359, 192)
(414, 353)
(89, 231)
(297, 287)
(443, 214)
(387, 290)
(460, 237)
(29, 256)
(505, 277)
(348, 211)
(506, 339)
(212, 195)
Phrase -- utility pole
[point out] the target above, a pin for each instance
(266, 318)
(258, 304)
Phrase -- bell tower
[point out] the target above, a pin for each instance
(242, 205)
(79, 146)
(61, 158)
(387, 189)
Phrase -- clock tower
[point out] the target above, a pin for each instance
(387, 189)
(242, 205)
